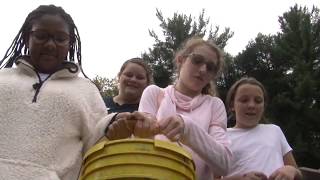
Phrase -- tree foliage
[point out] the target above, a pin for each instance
(299, 44)
(175, 31)
(288, 65)
(107, 87)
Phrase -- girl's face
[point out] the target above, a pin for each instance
(132, 81)
(48, 43)
(248, 105)
(197, 69)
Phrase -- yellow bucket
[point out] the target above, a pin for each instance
(137, 159)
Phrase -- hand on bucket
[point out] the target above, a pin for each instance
(146, 126)
(254, 175)
(122, 127)
(172, 127)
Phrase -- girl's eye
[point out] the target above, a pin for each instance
(243, 100)
(140, 77)
(60, 38)
(197, 59)
(258, 100)
(128, 74)
(40, 35)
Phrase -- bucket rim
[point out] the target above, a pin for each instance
(157, 143)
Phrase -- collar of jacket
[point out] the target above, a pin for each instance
(67, 69)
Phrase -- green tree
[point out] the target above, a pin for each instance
(288, 65)
(299, 44)
(176, 30)
(107, 87)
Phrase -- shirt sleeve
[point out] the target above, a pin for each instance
(285, 147)
(94, 116)
(211, 146)
(149, 102)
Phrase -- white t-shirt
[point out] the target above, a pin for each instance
(258, 149)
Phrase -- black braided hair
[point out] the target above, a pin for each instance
(18, 46)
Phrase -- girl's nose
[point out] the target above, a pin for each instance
(50, 43)
(133, 78)
(203, 67)
(251, 104)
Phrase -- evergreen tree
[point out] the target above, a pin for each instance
(175, 31)
(288, 65)
(299, 44)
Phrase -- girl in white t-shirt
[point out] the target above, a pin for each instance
(260, 151)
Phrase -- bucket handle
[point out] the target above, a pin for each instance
(172, 147)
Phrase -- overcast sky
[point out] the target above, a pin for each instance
(114, 31)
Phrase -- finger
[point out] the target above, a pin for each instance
(251, 176)
(126, 128)
(155, 128)
(278, 177)
(111, 133)
(138, 115)
(272, 176)
(163, 123)
(254, 178)
(138, 126)
(174, 134)
(116, 129)
(130, 124)
(120, 122)
(260, 175)
(176, 138)
(123, 115)
(167, 124)
(138, 130)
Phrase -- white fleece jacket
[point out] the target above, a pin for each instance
(44, 135)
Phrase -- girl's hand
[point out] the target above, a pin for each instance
(284, 173)
(172, 127)
(254, 176)
(122, 127)
(146, 126)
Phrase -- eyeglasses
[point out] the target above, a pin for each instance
(199, 60)
(60, 38)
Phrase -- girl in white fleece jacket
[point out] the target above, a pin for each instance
(49, 116)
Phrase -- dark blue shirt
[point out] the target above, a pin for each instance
(115, 107)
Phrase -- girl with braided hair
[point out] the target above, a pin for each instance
(49, 116)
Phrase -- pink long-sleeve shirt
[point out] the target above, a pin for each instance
(205, 122)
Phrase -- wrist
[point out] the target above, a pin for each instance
(113, 119)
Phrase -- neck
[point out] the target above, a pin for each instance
(184, 90)
(245, 127)
(125, 100)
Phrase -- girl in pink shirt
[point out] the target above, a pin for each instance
(188, 112)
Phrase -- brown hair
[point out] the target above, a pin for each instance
(189, 45)
(143, 64)
(244, 80)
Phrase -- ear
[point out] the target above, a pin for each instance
(179, 61)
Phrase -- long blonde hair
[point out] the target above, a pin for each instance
(188, 46)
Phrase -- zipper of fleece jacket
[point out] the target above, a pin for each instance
(36, 86)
